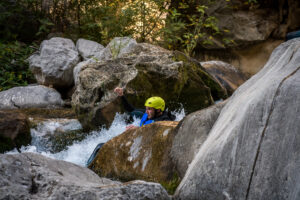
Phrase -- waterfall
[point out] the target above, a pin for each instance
(79, 151)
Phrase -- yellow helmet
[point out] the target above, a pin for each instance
(155, 102)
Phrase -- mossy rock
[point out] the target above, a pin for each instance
(141, 153)
(146, 71)
(46, 113)
(61, 140)
(14, 130)
(191, 86)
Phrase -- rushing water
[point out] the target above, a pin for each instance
(78, 152)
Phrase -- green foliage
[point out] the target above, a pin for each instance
(14, 70)
(45, 26)
(185, 31)
(18, 21)
(140, 19)
(172, 184)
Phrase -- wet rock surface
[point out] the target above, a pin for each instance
(141, 153)
(228, 76)
(14, 130)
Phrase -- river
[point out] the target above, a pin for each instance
(80, 151)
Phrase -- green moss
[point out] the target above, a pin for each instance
(193, 86)
(61, 140)
(171, 185)
(195, 70)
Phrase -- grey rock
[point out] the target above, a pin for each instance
(252, 150)
(53, 64)
(117, 48)
(78, 68)
(146, 71)
(120, 46)
(88, 49)
(33, 176)
(36, 96)
(228, 76)
(191, 134)
(244, 25)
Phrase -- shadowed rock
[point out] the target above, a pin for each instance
(229, 77)
(191, 134)
(14, 130)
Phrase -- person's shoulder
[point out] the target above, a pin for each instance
(166, 116)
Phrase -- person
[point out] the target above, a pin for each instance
(155, 110)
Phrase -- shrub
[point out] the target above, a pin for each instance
(14, 69)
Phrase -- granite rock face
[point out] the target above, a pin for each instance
(33, 176)
(88, 49)
(252, 150)
(53, 64)
(35, 96)
(191, 134)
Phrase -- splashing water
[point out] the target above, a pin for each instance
(79, 152)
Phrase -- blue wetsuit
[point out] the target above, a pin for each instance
(166, 116)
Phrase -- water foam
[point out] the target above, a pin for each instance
(79, 152)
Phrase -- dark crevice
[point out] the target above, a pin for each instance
(263, 133)
(34, 186)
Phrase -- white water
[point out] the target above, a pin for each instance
(79, 152)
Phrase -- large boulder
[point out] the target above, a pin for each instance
(14, 130)
(78, 68)
(53, 64)
(191, 134)
(117, 48)
(144, 71)
(141, 153)
(229, 77)
(88, 49)
(35, 96)
(33, 176)
(245, 22)
(256, 28)
(252, 150)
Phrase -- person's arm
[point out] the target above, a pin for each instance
(120, 92)
(128, 107)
